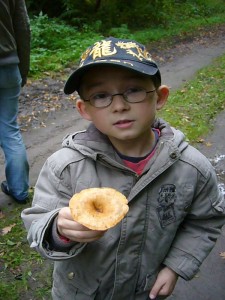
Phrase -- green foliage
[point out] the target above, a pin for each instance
(55, 45)
(188, 27)
(121, 32)
(136, 14)
(141, 14)
(193, 108)
(203, 8)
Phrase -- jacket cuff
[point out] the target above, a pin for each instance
(185, 265)
(57, 242)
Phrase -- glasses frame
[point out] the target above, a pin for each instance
(119, 94)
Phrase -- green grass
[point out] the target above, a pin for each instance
(22, 270)
(194, 107)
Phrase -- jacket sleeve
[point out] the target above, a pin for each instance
(21, 25)
(52, 192)
(200, 229)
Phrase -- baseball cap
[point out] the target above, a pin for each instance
(113, 51)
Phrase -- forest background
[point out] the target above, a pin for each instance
(62, 29)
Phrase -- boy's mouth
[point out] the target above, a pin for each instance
(123, 123)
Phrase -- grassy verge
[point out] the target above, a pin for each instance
(24, 274)
(194, 107)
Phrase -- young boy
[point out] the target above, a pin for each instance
(175, 207)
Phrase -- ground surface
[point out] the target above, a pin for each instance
(47, 115)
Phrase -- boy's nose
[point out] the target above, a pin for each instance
(119, 103)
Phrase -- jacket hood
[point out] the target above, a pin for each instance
(92, 142)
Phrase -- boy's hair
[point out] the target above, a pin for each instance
(119, 52)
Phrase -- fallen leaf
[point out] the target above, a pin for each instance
(200, 140)
(208, 144)
(7, 229)
(222, 254)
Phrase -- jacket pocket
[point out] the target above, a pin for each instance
(84, 290)
(149, 281)
(146, 284)
(71, 287)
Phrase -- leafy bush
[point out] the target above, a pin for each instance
(121, 32)
(141, 14)
(56, 45)
(136, 14)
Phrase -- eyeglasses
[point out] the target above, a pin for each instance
(134, 95)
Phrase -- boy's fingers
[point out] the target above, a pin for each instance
(155, 290)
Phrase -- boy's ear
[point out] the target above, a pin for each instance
(163, 93)
(82, 109)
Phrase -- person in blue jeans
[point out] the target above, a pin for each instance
(14, 67)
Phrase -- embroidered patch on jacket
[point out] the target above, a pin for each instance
(166, 199)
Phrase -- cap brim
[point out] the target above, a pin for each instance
(73, 82)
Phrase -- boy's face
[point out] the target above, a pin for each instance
(121, 121)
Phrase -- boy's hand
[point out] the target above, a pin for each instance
(74, 231)
(164, 284)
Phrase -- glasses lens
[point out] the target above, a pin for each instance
(101, 100)
(135, 95)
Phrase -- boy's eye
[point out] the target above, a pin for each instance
(99, 96)
(133, 90)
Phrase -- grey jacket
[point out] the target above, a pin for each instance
(15, 35)
(175, 215)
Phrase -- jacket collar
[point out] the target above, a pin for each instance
(92, 142)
